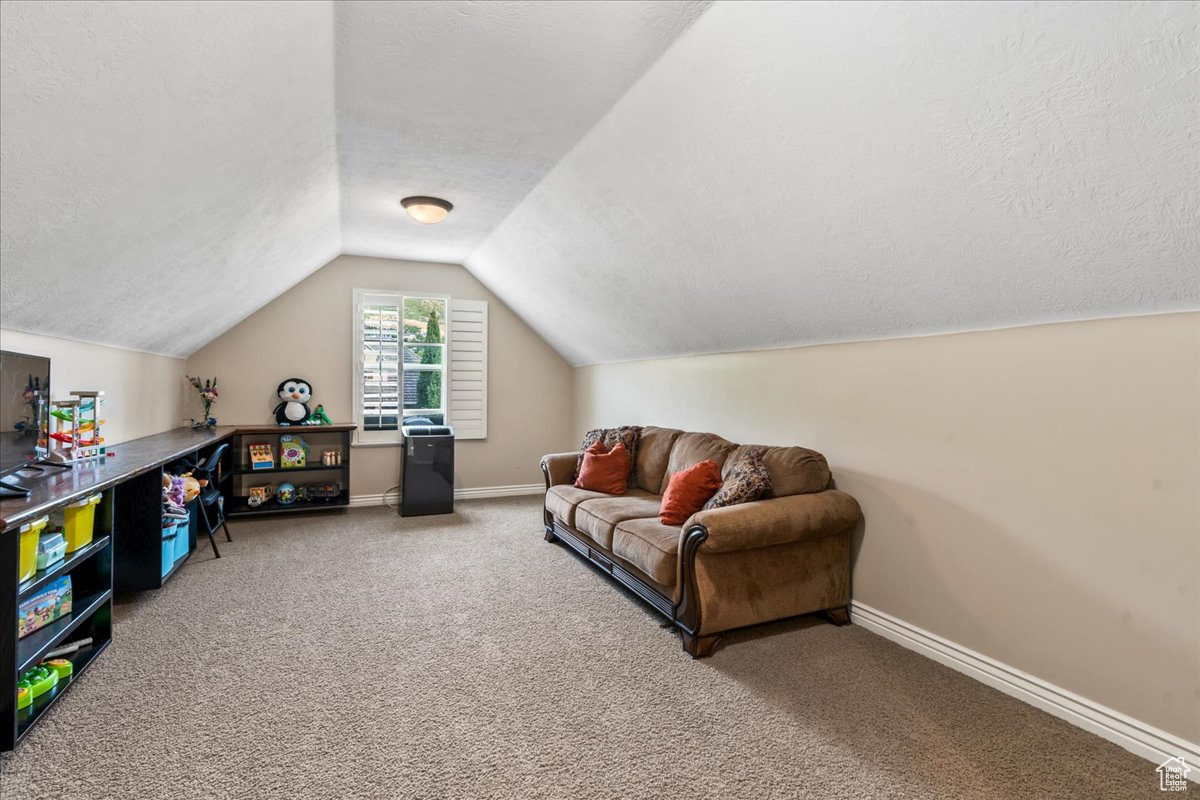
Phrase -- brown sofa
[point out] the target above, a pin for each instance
(727, 568)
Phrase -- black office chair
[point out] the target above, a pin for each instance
(210, 497)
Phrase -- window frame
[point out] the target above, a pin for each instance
(363, 437)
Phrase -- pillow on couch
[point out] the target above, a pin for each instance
(589, 439)
(604, 470)
(746, 479)
(688, 490)
(626, 435)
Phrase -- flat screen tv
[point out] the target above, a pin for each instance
(24, 389)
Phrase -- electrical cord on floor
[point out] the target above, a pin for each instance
(396, 489)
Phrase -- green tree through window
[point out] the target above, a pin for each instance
(429, 384)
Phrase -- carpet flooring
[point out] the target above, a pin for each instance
(363, 655)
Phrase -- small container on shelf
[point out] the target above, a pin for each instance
(27, 560)
(51, 549)
(79, 520)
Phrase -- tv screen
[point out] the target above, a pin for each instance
(24, 388)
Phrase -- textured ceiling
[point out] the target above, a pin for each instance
(797, 173)
(167, 168)
(634, 179)
(474, 102)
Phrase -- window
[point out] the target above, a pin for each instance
(419, 357)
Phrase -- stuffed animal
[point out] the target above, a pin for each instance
(294, 394)
(191, 488)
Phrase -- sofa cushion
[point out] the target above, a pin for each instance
(653, 452)
(692, 448)
(746, 478)
(604, 470)
(598, 517)
(649, 546)
(562, 500)
(793, 470)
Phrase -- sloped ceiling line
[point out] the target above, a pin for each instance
(635, 179)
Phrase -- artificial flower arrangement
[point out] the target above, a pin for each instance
(208, 394)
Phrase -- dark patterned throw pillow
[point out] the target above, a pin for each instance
(746, 480)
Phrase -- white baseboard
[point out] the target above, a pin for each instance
(393, 498)
(1141, 739)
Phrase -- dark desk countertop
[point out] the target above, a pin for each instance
(54, 487)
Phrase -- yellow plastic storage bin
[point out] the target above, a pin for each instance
(27, 562)
(79, 519)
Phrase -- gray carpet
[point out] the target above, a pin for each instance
(368, 656)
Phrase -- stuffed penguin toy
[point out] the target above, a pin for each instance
(295, 394)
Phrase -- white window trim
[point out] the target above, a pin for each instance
(363, 438)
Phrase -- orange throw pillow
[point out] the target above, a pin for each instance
(604, 470)
(688, 491)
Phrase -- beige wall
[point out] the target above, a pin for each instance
(144, 393)
(308, 332)
(1029, 493)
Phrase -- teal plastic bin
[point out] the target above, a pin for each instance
(168, 551)
(181, 538)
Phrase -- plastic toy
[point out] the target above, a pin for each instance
(261, 457)
(322, 491)
(38, 680)
(66, 444)
(293, 451)
(285, 494)
(45, 607)
(24, 698)
(294, 394)
(61, 666)
(260, 495)
(319, 417)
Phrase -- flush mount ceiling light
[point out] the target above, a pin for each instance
(426, 210)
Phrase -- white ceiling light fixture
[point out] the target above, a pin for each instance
(427, 210)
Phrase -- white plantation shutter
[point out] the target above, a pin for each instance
(468, 368)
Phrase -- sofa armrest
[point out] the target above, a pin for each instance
(779, 520)
(559, 468)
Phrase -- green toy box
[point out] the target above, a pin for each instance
(45, 607)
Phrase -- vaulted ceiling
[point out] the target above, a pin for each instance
(634, 179)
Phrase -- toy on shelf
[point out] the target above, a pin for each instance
(326, 492)
(45, 607)
(285, 495)
(293, 451)
(259, 495)
(76, 435)
(38, 680)
(319, 417)
(261, 457)
(294, 394)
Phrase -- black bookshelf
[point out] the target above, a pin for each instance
(319, 438)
